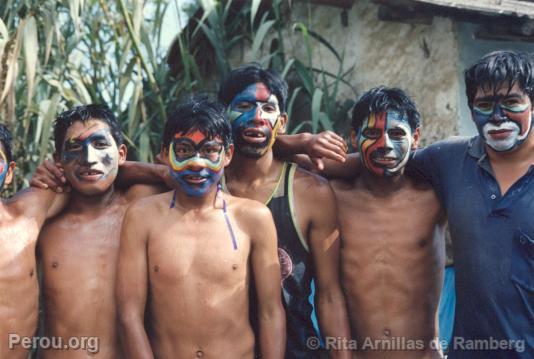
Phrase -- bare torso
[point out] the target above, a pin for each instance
(19, 291)
(198, 283)
(79, 258)
(392, 268)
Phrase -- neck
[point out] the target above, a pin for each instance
(250, 168)
(95, 202)
(523, 153)
(382, 185)
(199, 203)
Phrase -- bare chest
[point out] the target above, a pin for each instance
(204, 250)
(17, 246)
(407, 220)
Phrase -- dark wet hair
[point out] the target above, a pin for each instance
(200, 113)
(250, 74)
(84, 114)
(381, 99)
(5, 139)
(498, 67)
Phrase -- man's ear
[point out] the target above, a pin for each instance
(354, 139)
(229, 153)
(416, 136)
(123, 152)
(283, 123)
(10, 173)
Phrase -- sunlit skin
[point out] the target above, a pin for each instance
(256, 121)
(21, 218)
(255, 118)
(78, 249)
(196, 162)
(393, 245)
(503, 119)
(180, 265)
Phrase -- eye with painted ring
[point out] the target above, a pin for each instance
(73, 146)
(244, 106)
(397, 133)
(101, 144)
(372, 133)
(485, 107)
(268, 107)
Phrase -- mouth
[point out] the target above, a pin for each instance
(499, 134)
(385, 160)
(195, 179)
(254, 135)
(90, 175)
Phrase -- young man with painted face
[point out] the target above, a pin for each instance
(21, 218)
(486, 184)
(79, 248)
(187, 256)
(392, 230)
(308, 235)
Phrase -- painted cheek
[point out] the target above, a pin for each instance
(522, 119)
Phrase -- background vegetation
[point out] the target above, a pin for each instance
(55, 54)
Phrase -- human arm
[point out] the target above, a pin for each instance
(131, 285)
(39, 203)
(324, 243)
(318, 147)
(266, 272)
(133, 172)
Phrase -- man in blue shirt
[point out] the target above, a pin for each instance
(486, 184)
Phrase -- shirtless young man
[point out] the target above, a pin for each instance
(392, 228)
(21, 218)
(302, 204)
(187, 256)
(78, 249)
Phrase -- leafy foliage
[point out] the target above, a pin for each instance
(55, 54)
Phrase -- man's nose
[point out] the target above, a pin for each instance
(90, 154)
(196, 164)
(388, 145)
(498, 114)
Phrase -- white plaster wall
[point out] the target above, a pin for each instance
(388, 53)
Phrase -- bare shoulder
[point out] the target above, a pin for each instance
(26, 202)
(309, 187)
(249, 213)
(341, 185)
(138, 191)
(149, 206)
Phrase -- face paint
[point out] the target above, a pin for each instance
(4, 167)
(196, 162)
(94, 153)
(503, 121)
(384, 142)
(254, 115)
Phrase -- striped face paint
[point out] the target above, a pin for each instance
(4, 167)
(254, 115)
(503, 121)
(384, 142)
(197, 162)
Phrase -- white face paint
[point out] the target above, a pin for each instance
(509, 138)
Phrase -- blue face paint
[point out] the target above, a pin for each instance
(96, 150)
(196, 163)
(4, 167)
(503, 121)
(254, 115)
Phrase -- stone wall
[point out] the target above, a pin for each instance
(419, 58)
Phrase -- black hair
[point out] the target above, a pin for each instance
(5, 139)
(500, 67)
(200, 113)
(384, 98)
(84, 114)
(249, 74)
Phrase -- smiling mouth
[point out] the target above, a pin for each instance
(385, 160)
(90, 175)
(192, 179)
(254, 135)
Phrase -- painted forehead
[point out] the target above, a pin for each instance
(389, 118)
(257, 92)
(88, 130)
(196, 136)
